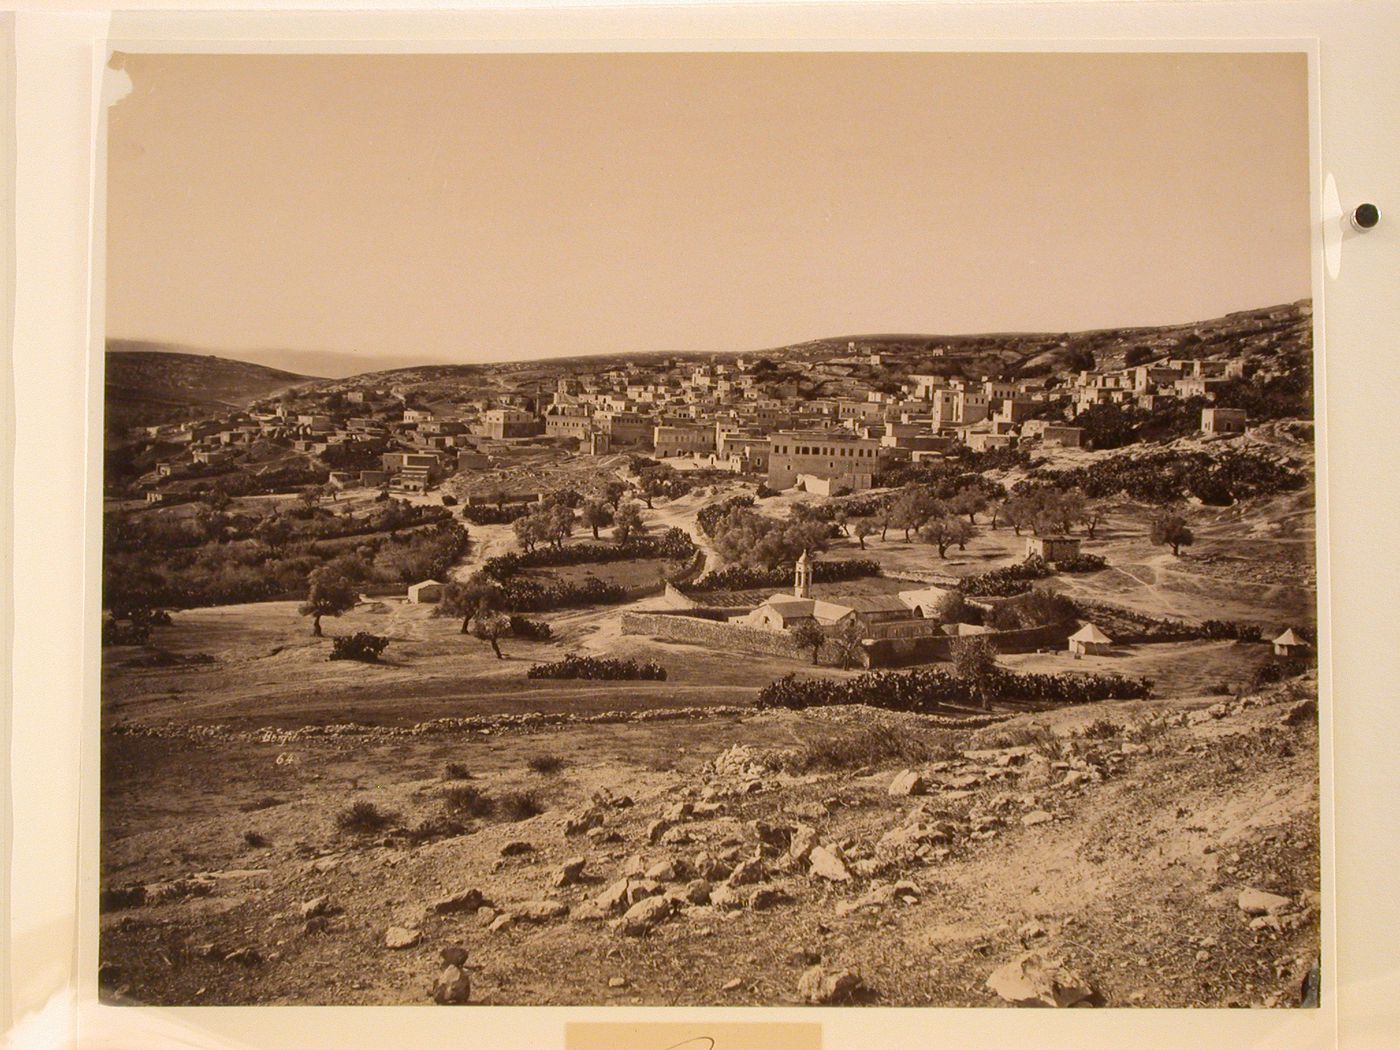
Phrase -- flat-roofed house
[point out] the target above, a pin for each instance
(1216, 422)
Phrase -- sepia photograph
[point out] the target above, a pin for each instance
(710, 529)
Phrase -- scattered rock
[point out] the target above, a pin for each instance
(656, 829)
(402, 937)
(571, 872)
(1035, 817)
(821, 988)
(1033, 980)
(539, 911)
(663, 871)
(908, 783)
(617, 982)
(732, 985)
(801, 843)
(316, 906)
(467, 900)
(582, 821)
(827, 864)
(314, 925)
(454, 955)
(516, 848)
(642, 916)
(1257, 902)
(452, 987)
(747, 873)
(697, 891)
(248, 956)
(500, 922)
(765, 897)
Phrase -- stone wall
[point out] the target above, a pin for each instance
(671, 627)
(900, 652)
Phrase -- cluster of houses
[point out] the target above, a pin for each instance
(745, 416)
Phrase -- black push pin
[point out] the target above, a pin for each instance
(1365, 217)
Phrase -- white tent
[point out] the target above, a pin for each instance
(1289, 643)
(1089, 639)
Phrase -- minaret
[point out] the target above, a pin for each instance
(802, 581)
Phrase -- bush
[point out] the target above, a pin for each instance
(1214, 477)
(520, 805)
(1101, 729)
(674, 544)
(1240, 632)
(545, 763)
(530, 630)
(363, 818)
(710, 516)
(483, 514)
(255, 839)
(1036, 608)
(867, 746)
(361, 646)
(763, 491)
(449, 500)
(116, 632)
(456, 771)
(1007, 581)
(1278, 670)
(522, 595)
(596, 667)
(927, 690)
(741, 577)
(1081, 563)
(466, 802)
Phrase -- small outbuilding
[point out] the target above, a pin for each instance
(1289, 643)
(1089, 639)
(1052, 548)
(427, 592)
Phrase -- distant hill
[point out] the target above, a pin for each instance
(145, 387)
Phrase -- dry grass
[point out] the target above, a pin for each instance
(545, 763)
(520, 805)
(465, 802)
(363, 818)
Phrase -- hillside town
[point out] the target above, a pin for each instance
(828, 425)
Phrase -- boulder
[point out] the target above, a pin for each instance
(826, 863)
(747, 872)
(467, 900)
(455, 955)
(1257, 902)
(663, 871)
(642, 916)
(315, 907)
(763, 897)
(501, 922)
(539, 911)
(822, 988)
(1031, 979)
(1301, 712)
(908, 782)
(516, 848)
(656, 829)
(697, 891)
(803, 841)
(571, 872)
(398, 937)
(583, 821)
(452, 987)
(1038, 816)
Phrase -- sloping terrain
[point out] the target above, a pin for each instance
(145, 387)
(1152, 853)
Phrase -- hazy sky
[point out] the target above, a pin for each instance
(488, 207)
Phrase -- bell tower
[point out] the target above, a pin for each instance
(802, 579)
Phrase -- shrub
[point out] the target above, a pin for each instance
(1101, 729)
(1277, 671)
(456, 771)
(361, 646)
(115, 632)
(1241, 632)
(483, 514)
(596, 667)
(1006, 581)
(868, 746)
(545, 763)
(466, 801)
(520, 805)
(530, 630)
(742, 577)
(256, 840)
(363, 818)
(763, 491)
(1081, 563)
(927, 690)
(449, 500)
(1035, 608)
(709, 517)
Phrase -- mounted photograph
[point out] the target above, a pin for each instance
(710, 529)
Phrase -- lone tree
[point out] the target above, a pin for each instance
(595, 515)
(970, 501)
(975, 662)
(628, 522)
(944, 532)
(1170, 529)
(491, 627)
(328, 594)
(467, 598)
(848, 643)
(861, 528)
(1094, 514)
(809, 636)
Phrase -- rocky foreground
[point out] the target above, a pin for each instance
(1131, 854)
